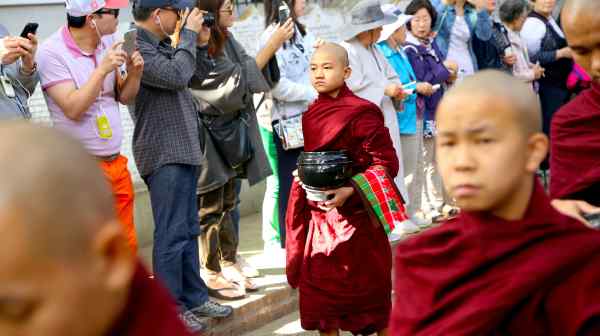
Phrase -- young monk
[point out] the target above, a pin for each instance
(575, 159)
(65, 265)
(509, 264)
(338, 259)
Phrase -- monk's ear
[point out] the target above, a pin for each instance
(347, 72)
(113, 255)
(537, 149)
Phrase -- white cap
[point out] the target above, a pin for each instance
(401, 20)
(87, 7)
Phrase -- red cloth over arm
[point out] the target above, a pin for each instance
(296, 229)
(377, 141)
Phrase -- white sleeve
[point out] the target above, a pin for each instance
(358, 79)
(288, 91)
(532, 34)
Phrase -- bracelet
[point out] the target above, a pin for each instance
(30, 72)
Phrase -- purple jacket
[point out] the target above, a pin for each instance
(428, 66)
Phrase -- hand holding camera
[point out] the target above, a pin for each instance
(194, 19)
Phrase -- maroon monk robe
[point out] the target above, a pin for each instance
(575, 159)
(340, 260)
(481, 275)
(149, 311)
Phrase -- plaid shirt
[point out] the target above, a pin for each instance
(166, 123)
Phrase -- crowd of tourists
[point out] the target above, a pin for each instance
(479, 118)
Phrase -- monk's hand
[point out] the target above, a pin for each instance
(340, 195)
(575, 209)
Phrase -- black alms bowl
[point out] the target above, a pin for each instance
(324, 170)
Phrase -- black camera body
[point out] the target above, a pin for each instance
(209, 20)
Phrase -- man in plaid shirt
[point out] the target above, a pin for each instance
(167, 150)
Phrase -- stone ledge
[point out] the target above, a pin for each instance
(272, 302)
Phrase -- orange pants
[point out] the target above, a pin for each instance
(120, 180)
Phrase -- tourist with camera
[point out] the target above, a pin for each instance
(166, 146)
(291, 95)
(231, 144)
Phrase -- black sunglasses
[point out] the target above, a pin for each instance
(112, 11)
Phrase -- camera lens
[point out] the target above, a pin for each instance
(209, 20)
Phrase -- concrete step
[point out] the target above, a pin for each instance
(272, 302)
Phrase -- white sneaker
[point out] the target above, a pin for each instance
(409, 227)
(421, 222)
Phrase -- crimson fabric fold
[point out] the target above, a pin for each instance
(481, 275)
(149, 311)
(339, 260)
(575, 152)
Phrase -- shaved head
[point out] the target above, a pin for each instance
(500, 87)
(581, 23)
(52, 187)
(335, 50)
(581, 5)
(489, 143)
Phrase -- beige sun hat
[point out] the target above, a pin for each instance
(364, 16)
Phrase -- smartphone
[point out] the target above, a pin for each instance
(129, 45)
(284, 12)
(593, 219)
(30, 28)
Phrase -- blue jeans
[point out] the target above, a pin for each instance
(175, 255)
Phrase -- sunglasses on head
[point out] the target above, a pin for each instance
(112, 11)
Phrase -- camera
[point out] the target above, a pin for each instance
(209, 20)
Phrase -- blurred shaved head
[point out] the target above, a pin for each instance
(498, 87)
(51, 187)
(581, 22)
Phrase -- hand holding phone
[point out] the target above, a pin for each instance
(129, 46)
(30, 28)
(284, 12)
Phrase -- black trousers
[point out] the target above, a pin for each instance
(552, 98)
(287, 162)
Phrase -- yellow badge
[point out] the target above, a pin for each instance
(104, 129)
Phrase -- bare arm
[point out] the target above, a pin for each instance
(75, 102)
(282, 34)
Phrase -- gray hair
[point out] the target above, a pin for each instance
(511, 10)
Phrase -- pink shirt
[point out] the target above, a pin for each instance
(61, 60)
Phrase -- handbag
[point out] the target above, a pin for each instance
(231, 138)
(289, 131)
